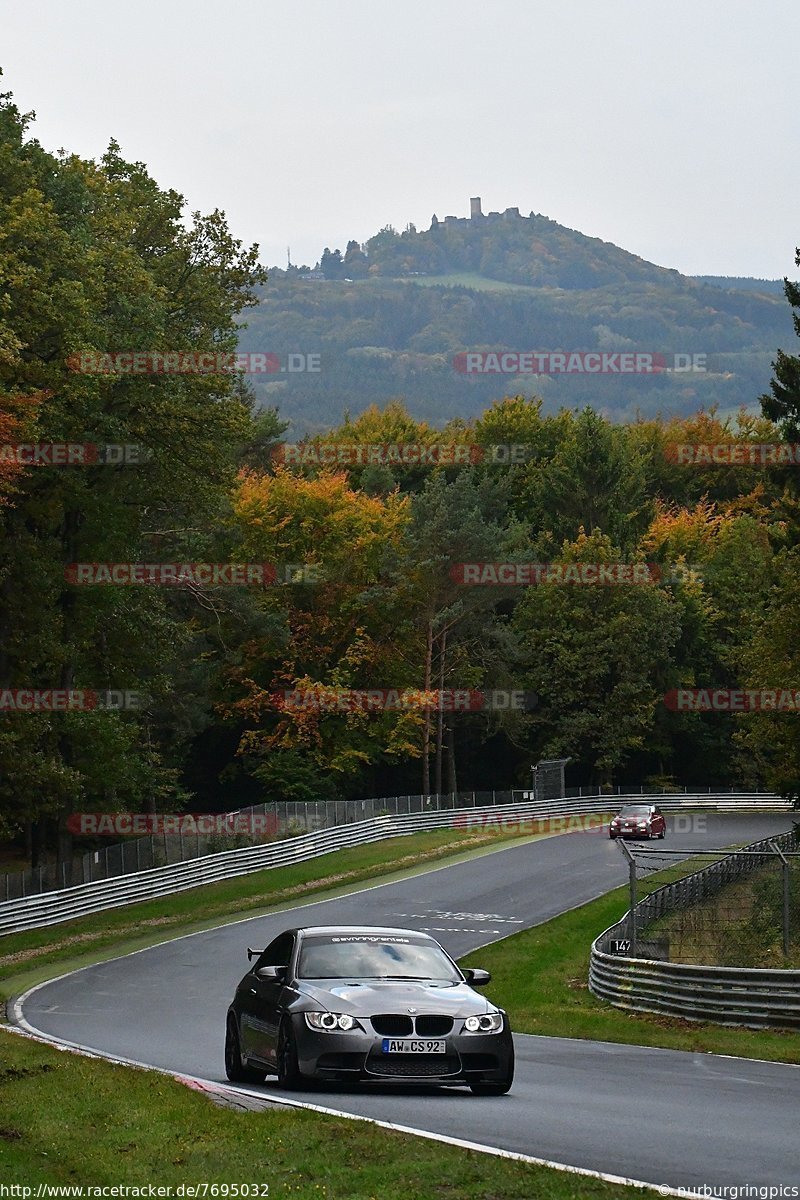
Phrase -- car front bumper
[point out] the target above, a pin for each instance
(358, 1056)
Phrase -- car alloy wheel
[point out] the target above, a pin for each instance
(288, 1071)
(490, 1089)
(234, 1068)
(484, 1088)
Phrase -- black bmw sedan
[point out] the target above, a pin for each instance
(365, 1004)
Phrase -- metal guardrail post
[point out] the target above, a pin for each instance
(631, 899)
(785, 873)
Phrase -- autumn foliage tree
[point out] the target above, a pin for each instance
(347, 628)
(95, 257)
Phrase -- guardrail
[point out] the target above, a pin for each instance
(52, 908)
(758, 997)
(728, 995)
(288, 817)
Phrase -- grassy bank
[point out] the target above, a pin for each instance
(740, 926)
(73, 1120)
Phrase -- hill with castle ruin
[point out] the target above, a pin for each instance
(388, 319)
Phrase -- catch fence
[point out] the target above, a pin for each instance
(284, 819)
(721, 943)
(49, 908)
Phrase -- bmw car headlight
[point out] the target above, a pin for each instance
(331, 1022)
(488, 1023)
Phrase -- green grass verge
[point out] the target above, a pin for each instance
(65, 1119)
(467, 279)
(110, 1124)
(541, 977)
(28, 958)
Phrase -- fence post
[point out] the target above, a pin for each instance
(786, 907)
(631, 898)
(785, 873)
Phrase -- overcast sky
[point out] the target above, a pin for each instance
(669, 128)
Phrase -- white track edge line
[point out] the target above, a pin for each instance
(20, 1021)
(210, 1086)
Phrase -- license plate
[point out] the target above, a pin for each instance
(411, 1046)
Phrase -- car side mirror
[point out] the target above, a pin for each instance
(477, 977)
(272, 973)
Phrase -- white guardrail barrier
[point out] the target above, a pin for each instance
(51, 908)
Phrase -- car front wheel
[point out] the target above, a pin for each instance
(288, 1070)
(483, 1087)
(490, 1089)
(234, 1069)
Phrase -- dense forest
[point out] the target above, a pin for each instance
(366, 586)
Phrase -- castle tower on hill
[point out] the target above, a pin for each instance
(475, 207)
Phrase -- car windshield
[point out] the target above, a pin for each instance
(635, 810)
(363, 956)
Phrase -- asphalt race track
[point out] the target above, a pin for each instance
(660, 1116)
